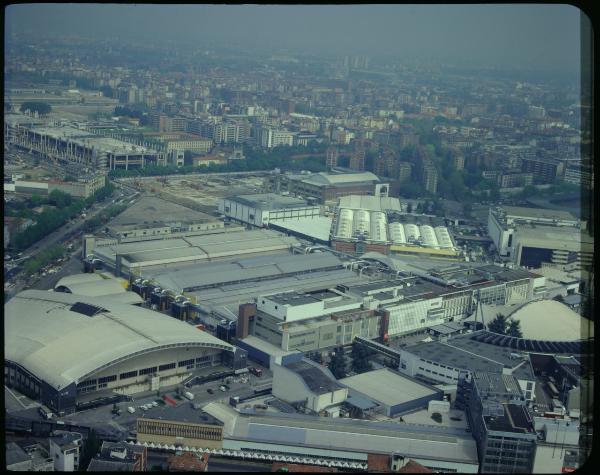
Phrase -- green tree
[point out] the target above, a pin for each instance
(409, 208)
(411, 190)
(337, 365)
(37, 200)
(498, 324)
(514, 328)
(42, 108)
(360, 358)
(90, 448)
(529, 191)
(60, 199)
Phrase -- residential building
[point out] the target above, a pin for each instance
(121, 457)
(268, 137)
(544, 170)
(331, 157)
(65, 450)
(404, 172)
(357, 158)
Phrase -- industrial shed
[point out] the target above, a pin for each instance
(59, 346)
(441, 449)
(145, 254)
(395, 393)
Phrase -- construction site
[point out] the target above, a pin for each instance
(200, 192)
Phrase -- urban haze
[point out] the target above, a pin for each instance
(253, 238)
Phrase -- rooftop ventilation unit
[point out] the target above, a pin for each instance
(86, 309)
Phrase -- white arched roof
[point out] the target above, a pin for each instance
(50, 338)
(94, 288)
(549, 320)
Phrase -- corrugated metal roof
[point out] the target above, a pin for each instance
(430, 443)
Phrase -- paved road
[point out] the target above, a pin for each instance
(60, 235)
(72, 266)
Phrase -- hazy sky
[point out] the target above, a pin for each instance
(533, 36)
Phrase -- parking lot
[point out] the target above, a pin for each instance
(104, 416)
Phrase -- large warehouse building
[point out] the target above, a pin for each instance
(60, 346)
(372, 224)
(327, 187)
(136, 258)
(264, 208)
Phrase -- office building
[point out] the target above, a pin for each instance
(532, 236)
(501, 424)
(190, 143)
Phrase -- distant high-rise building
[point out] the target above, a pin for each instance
(331, 157)
(458, 161)
(379, 167)
(404, 170)
(429, 176)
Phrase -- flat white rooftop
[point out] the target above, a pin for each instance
(317, 227)
(386, 386)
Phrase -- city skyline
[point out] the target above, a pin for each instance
(545, 37)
